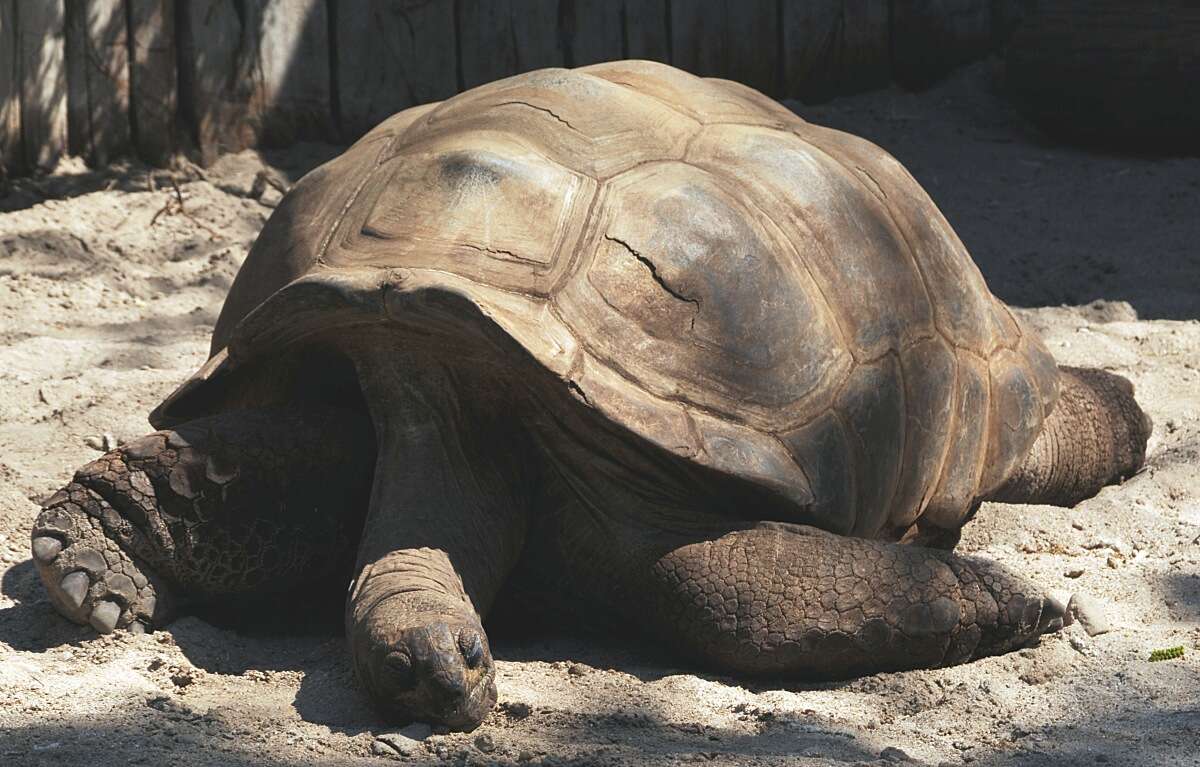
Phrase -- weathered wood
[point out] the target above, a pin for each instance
(646, 35)
(592, 31)
(499, 38)
(932, 37)
(752, 43)
(391, 54)
(41, 28)
(732, 39)
(79, 138)
(153, 84)
(1111, 72)
(11, 161)
(834, 46)
(219, 65)
(97, 79)
(273, 71)
(697, 36)
(293, 48)
(1006, 17)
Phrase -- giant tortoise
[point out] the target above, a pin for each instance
(618, 345)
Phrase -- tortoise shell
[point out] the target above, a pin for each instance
(772, 299)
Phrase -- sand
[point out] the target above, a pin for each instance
(109, 288)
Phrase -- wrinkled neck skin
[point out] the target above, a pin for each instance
(452, 475)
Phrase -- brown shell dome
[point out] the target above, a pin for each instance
(776, 300)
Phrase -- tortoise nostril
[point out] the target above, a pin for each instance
(472, 648)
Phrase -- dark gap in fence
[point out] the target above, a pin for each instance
(335, 86)
(458, 59)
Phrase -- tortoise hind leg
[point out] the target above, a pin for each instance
(1095, 436)
(779, 598)
(219, 509)
(785, 599)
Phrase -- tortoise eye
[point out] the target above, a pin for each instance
(399, 668)
(472, 648)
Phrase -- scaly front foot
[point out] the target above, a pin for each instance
(91, 579)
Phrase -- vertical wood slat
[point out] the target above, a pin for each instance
(11, 162)
(646, 35)
(258, 73)
(732, 39)
(834, 46)
(932, 37)
(153, 82)
(697, 36)
(42, 68)
(391, 54)
(219, 62)
(592, 31)
(293, 48)
(98, 79)
(500, 38)
(79, 132)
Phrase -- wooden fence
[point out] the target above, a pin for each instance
(105, 78)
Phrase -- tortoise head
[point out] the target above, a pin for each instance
(439, 672)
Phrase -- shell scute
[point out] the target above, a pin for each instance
(705, 100)
(872, 406)
(964, 310)
(958, 485)
(853, 251)
(930, 371)
(696, 297)
(486, 207)
(586, 123)
(823, 450)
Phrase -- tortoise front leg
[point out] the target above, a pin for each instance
(1095, 436)
(224, 509)
(446, 524)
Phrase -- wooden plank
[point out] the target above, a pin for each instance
(834, 46)
(79, 138)
(499, 38)
(865, 62)
(930, 38)
(97, 79)
(11, 161)
(731, 39)
(535, 26)
(486, 46)
(1110, 73)
(698, 37)
(592, 30)
(391, 54)
(294, 60)
(223, 83)
(752, 43)
(646, 35)
(41, 27)
(153, 86)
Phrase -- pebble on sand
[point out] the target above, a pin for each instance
(1091, 615)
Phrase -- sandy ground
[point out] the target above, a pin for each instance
(108, 292)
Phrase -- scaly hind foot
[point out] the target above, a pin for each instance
(91, 579)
